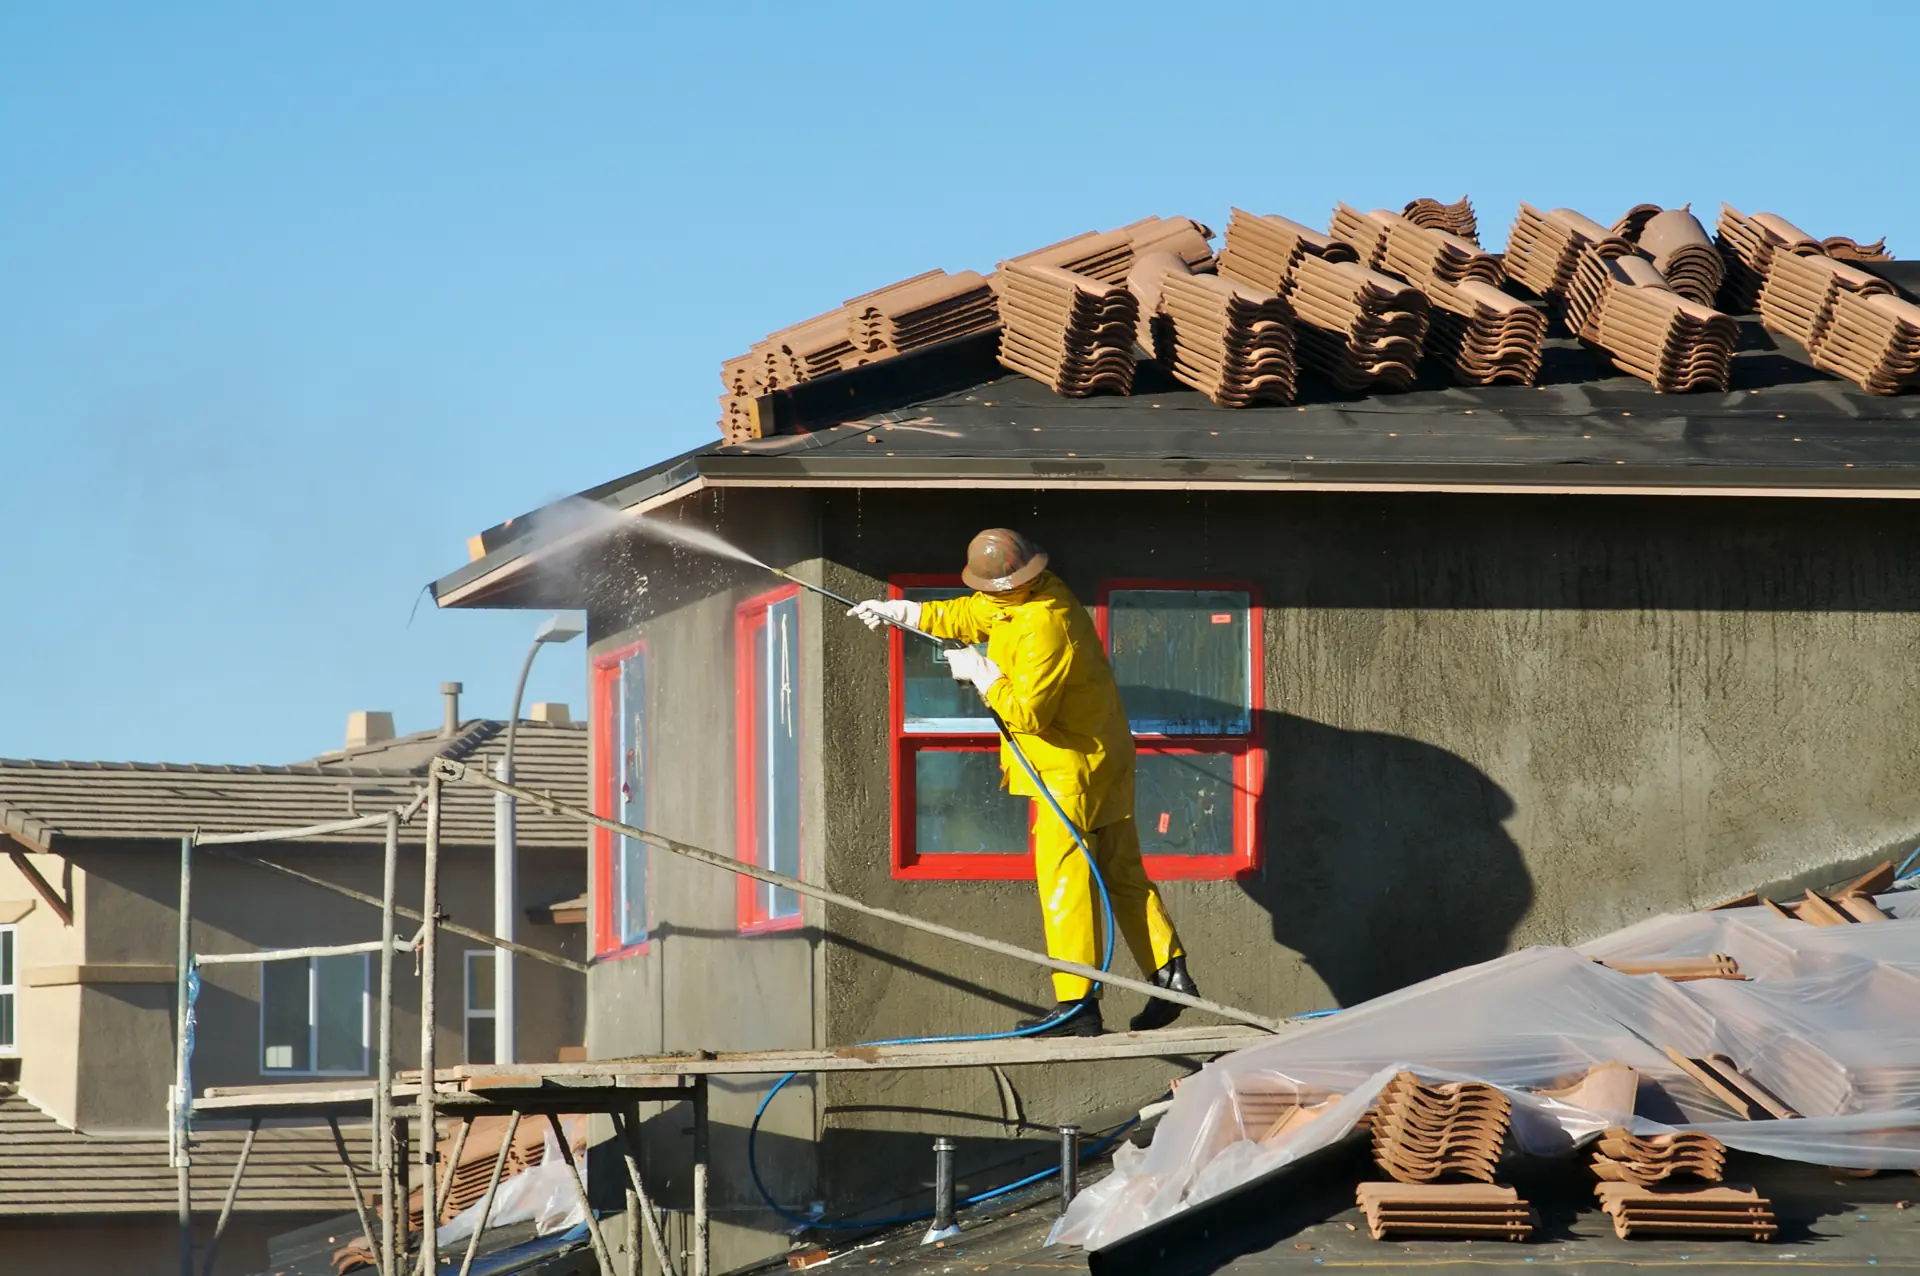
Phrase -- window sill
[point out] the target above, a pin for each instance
(640, 949)
(773, 924)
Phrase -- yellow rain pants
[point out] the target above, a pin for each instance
(1061, 704)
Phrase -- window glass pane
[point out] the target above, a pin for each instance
(960, 807)
(1182, 659)
(932, 700)
(285, 994)
(777, 646)
(1184, 803)
(630, 865)
(480, 1039)
(6, 1021)
(340, 986)
(480, 969)
(6, 958)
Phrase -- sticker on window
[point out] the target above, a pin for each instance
(1222, 618)
(1166, 818)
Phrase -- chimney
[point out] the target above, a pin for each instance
(553, 713)
(451, 692)
(368, 726)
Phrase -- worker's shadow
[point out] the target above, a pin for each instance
(1385, 860)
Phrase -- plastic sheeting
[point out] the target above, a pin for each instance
(1829, 1020)
(543, 1193)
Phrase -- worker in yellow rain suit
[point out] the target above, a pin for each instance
(1046, 675)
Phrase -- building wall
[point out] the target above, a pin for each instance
(135, 1245)
(100, 1057)
(699, 983)
(46, 1017)
(1490, 721)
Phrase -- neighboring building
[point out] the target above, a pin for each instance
(88, 934)
(1417, 678)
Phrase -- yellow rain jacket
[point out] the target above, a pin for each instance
(1058, 697)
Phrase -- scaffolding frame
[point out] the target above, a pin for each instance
(467, 1092)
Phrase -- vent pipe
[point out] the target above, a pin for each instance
(450, 691)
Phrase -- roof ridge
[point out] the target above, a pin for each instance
(202, 768)
(470, 738)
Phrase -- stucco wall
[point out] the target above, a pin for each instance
(46, 1019)
(700, 984)
(124, 1032)
(1490, 722)
(136, 1245)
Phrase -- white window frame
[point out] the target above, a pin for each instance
(469, 1014)
(313, 1023)
(10, 992)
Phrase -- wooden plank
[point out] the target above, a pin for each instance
(61, 908)
(1861, 908)
(1776, 910)
(1743, 1106)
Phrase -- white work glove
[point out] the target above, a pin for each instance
(876, 612)
(968, 665)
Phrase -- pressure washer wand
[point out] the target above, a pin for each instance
(850, 604)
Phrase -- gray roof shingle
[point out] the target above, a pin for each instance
(45, 803)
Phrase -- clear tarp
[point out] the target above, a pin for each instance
(1828, 1019)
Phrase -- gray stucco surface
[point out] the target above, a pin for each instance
(1489, 722)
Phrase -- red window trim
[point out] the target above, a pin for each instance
(606, 676)
(1249, 771)
(746, 617)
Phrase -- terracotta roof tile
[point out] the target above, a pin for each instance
(1263, 250)
(1231, 342)
(1357, 327)
(1070, 331)
(1456, 218)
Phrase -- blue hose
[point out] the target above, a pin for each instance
(1106, 963)
(1901, 872)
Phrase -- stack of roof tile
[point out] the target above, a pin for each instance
(933, 307)
(1620, 1157)
(1609, 1087)
(1648, 329)
(1482, 335)
(1844, 248)
(1262, 251)
(1873, 341)
(1070, 331)
(1456, 218)
(1357, 327)
(1725, 1212)
(1232, 343)
(1682, 252)
(1485, 336)
(1109, 255)
(1466, 1211)
(1367, 232)
(1545, 249)
(1423, 1134)
(1799, 293)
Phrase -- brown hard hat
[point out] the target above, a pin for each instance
(999, 559)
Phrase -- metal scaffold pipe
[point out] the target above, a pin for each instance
(459, 772)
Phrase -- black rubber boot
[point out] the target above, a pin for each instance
(1074, 1019)
(1158, 1013)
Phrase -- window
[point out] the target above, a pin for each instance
(767, 740)
(9, 989)
(1186, 657)
(313, 1015)
(953, 817)
(620, 791)
(481, 966)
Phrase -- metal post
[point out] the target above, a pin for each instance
(505, 892)
(943, 1149)
(429, 1028)
(493, 1186)
(600, 1252)
(624, 1125)
(1069, 1165)
(388, 1258)
(353, 1186)
(702, 1220)
(233, 1193)
(182, 1084)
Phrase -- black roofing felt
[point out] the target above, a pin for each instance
(951, 412)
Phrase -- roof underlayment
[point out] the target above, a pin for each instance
(1827, 1019)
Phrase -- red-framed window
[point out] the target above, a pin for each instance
(766, 638)
(621, 766)
(1188, 659)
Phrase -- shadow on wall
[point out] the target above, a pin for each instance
(1385, 860)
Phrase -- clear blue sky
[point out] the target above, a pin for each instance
(294, 298)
